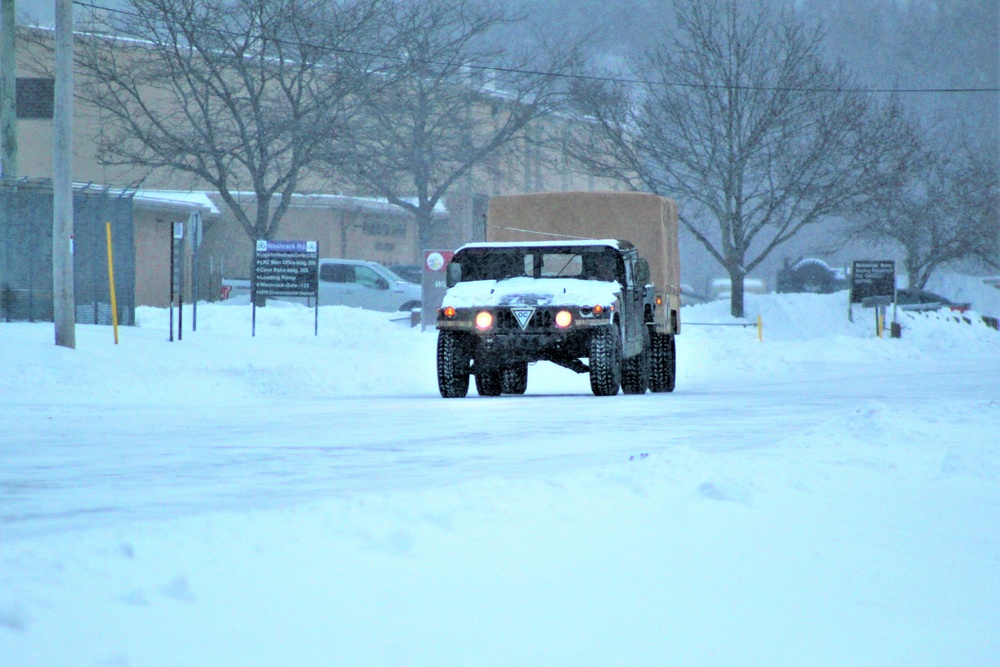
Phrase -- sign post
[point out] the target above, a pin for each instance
(285, 268)
(175, 233)
(435, 284)
(111, 285)
(873, 284)
(194, 222)
(178, 277)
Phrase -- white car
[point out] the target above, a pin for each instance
(369, 285)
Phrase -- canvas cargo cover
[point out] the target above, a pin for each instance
(648, 221)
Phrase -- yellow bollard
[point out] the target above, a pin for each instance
(760, 329)
(111, 281)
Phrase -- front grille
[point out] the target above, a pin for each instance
(541, 320)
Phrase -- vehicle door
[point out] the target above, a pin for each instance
(333, 281)
(367, 289)
(633, 306)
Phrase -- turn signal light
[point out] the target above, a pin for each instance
(659, 300)
(448, 312)
(484, 320)
(598, 310)
(563, 319)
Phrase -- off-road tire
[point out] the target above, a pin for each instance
(605, 357)
(635, 370)
(514, 379)
(453, 357)
(489, 383)
(663, 362)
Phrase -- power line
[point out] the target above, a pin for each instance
(591, 77)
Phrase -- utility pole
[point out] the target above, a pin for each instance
(63, 296)
(8, 91)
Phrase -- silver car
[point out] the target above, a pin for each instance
(369, 285)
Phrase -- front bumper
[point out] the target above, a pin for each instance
(534, 339)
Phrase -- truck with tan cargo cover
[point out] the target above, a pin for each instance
(564, 277)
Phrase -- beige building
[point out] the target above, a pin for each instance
(349, 225)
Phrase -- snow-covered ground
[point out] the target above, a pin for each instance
(823, 497)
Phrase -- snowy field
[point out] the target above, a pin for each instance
(823, 497)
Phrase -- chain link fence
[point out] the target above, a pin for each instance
(26, 252)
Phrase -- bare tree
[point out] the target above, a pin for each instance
(738, 118)
(939, 209)
(239, 94)
(454, 93)
(975, 193)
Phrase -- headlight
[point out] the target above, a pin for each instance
(563, 319)
(484, 320)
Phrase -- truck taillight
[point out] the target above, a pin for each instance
(659, 300)
(484, 320)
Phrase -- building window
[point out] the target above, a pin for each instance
(383, 228)
(35, 98)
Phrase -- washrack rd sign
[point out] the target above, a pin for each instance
(285, 268)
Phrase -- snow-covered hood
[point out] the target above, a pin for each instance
(531, 292)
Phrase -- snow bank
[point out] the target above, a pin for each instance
(815, 328)
(356, 353)
(365, 353)
(984, 297)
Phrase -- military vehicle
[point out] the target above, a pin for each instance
(557, 280)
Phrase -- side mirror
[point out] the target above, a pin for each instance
(641, 272)
(454, 275)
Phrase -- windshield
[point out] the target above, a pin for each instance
(598, 263)
(392, 274)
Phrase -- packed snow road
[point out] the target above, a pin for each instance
(91, 465)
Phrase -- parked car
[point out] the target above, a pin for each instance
(369, 285)
(722, 288)
(233, 288)
(811, 275)
(689, 297)
(917, 299)
(412, 272)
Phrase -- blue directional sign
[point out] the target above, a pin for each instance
(286, 268)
